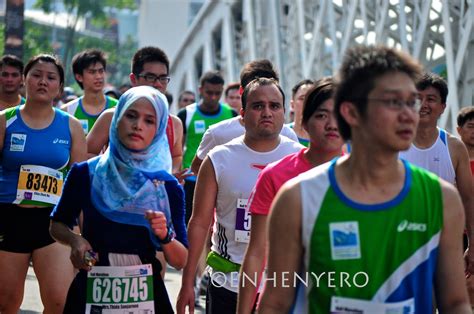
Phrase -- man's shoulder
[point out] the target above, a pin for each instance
(289, 143)
(111, 102)
(235, 145)
(456, 147)
(224, 124)
(71, 106)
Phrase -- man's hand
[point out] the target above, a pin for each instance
(185, 298)
(469, 262)
(183, 174)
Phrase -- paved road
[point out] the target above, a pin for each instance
(32, 302)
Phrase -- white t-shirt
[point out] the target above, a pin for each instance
(225, 131)
(231, 229)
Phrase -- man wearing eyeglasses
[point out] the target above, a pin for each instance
(441, 153)
(375, 234)
(89, 68)
(11, 80)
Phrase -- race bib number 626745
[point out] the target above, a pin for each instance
(113, 289)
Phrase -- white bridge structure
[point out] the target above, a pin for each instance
(308, 38)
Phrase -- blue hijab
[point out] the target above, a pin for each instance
(126, 183)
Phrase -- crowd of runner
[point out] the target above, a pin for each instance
(360, 204)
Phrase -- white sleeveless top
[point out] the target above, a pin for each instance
(435, 158)
(237, 167)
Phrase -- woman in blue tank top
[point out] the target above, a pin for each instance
(37, 144)
(131, 206)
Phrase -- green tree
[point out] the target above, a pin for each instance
(36, 39)
(118, 58)
(78, 9)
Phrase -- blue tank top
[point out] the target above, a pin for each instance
(49, 147)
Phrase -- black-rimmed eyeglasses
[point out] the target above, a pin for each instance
(152, 78)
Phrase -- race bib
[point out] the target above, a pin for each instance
(38, 183)
(120, 289)
(242, 221)
(349, 305)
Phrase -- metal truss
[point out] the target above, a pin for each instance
(308, 38)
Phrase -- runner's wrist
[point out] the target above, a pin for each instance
(170, 235)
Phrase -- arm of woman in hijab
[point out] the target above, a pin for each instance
(64, 216)
(79, 246)
(178, 210)
(175, 252)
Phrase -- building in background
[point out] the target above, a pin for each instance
(307, 39)
(164, 23)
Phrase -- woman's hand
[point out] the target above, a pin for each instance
(81, 254)
(158, 223)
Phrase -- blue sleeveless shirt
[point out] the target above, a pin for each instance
(49, 147)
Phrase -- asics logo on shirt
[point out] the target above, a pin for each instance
(58, 141)
(405, 225)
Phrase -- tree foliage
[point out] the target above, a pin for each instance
(77, 9)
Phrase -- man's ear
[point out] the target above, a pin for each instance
(79, 77)
(133, 79)
(350, 113)
(444, 107)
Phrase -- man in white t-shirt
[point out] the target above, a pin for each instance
(225, 181)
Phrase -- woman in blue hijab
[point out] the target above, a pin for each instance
(131, 207)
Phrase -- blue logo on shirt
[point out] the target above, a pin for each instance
(341, 238)
(18, 141)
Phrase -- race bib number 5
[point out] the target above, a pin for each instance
(38, 183)
(115, 289)
(242, 221)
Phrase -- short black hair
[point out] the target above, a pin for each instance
(184, 93)
(12, 61)
(46, 58)
(260, 81)
(211, 77)
(149, 54)
(298, 85)
(358, 74)
(257, 68)
(464, 115)
(321, 91)
(435, 81)
(86, 58)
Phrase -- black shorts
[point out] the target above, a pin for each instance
(219, 300)
(23, 230)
